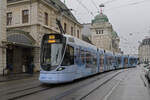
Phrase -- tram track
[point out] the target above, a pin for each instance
(70, 91)
(22, 90)
(25, 92)
(83, 97)
(16, 85)
(22, 93)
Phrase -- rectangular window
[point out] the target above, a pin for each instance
(9, 18)
(78, 34)
(72, 31)
(125, 62)
(101, 60)
(82, 56)
(88, 60)
(99, 31)
(25, 16)
(46, 18)
(96, 31)
(65, 27)
(119, 60)
(94, 62)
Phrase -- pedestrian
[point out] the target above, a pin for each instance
(31, 66)
(23, 68)
(9, 68)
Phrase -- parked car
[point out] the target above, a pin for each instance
(148, 73)
(145, 69)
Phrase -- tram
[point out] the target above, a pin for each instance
(65, 58)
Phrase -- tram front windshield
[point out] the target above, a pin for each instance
(52, 54)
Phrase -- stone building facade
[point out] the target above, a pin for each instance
(27, 22)
(101, 33)
(2, 35)
(144, 51)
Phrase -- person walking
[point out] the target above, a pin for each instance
(31, 66)
(9, 68)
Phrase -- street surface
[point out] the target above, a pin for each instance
(126, 84)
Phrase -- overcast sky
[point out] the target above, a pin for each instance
(130, 18)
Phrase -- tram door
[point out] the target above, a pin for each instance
(125, 62)
(119, 62)
(101, 63)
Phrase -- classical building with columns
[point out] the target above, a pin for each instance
(27, 22)
(144, 51)
(2, 35)
(102, 34)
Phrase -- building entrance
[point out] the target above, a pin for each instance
(18, 59)
(19, 52)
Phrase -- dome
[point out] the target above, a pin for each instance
(100, 18)
(114, 34)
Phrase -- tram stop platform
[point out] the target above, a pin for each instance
(11, 77)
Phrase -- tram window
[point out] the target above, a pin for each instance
(110, 61)
(88, 59)
(82, 55)
(131, 61)
(69, 56)
(94, 60)
(77, 56)
(125, 61)
(119, 60)
(91, 59)
(107, 60)
(101, 60)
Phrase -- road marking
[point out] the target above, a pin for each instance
(111, 91)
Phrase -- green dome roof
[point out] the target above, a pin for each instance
(100, 18)
(114, 34)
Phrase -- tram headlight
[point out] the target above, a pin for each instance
(60, 69)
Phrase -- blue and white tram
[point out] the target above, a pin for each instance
(133, 61)
(101, 60)
(65, 58)
(125, 61)
(118, 59)
(109, 58)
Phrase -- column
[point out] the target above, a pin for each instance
(2, 35)
(36, 60)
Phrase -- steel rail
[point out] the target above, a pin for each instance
(70, 91)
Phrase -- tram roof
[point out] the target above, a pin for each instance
(81, 43)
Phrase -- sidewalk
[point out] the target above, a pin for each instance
(134, 87)
(20, 76)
